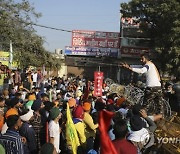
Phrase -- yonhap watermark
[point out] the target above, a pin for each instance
(168, 140)
(149, 138)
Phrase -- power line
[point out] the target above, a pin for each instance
(70, 31)
(63, 30)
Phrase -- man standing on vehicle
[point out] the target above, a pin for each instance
(153, 84)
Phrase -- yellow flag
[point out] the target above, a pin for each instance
(71, 133)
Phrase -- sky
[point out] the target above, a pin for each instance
(96, 15)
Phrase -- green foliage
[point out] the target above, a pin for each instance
(52, 61)
(163, 16)
(16, 20)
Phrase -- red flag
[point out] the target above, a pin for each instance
(107, 146)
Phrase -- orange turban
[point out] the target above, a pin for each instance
(72, 102)
(32, 97)
(1, 122)
(21, 87)
(120, 101)
(10, 112)
(86, 106)
(56, 103)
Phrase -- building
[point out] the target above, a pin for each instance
(134, 42)
(91, 51)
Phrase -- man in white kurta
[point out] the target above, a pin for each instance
(54, 129)
(153, 84)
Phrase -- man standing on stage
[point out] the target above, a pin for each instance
(153, 84)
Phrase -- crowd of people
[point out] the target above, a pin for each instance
(33, 116)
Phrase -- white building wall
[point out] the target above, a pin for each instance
(62, 71)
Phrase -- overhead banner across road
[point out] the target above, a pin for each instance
(81, 38)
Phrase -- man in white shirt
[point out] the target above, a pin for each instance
(54, 128)
(34, 77)
(153, 84)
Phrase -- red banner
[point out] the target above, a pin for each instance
(98, 81)
(98, 39)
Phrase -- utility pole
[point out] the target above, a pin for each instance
(120, 43)
(10, 55)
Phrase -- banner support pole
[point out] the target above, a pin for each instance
(99, 68)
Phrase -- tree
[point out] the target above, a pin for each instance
(163, 16)
(16, 22)
(52, 61)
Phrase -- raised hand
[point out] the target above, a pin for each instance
(143, 113)
(125, 65)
